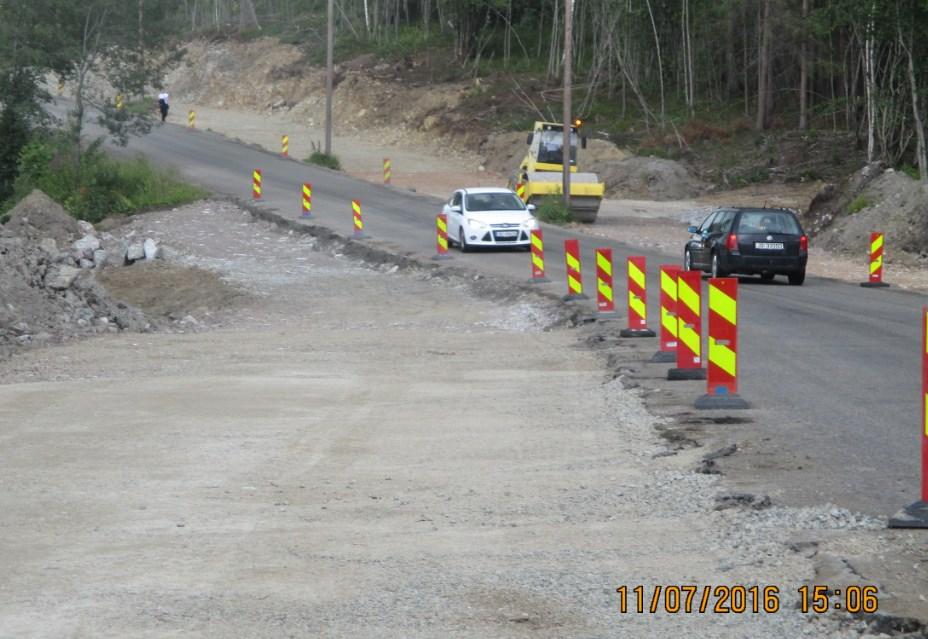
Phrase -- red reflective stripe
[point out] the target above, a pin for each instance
(637, 294)
(725, 335)
(572, 260)
(538, 254)
(605, 292)
(689, 320)
(668, 309)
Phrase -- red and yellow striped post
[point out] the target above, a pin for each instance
(689, 327)
(441, 237)
(520, 190)
(637, 299)
(574, 276)
(120, 102)
(60, 87)
(191, 119)
(605, 292)
(538, 257)
(387, 170)
(358, 220)
(307, 200)
(668, 336)
(285, 145)
(876, 263)
(722, 385)
(916, 515)
(256, 184)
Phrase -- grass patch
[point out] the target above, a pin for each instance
(329, 161)
(859, 204)
(553, 211)
(98, 185)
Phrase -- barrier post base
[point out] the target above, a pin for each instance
(637, 332)
(538, 280)
(358, 235)
(572, 297)
(914, 516)
(721, 402)
(606, 316)
(680, 374)
(874, 284)
(664, 357)
(441, 256)
(307, 216)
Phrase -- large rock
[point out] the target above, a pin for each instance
(60, 277)
(135, 252)
(87, 245)
(151, 249)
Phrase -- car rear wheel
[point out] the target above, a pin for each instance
(462, 241)
(717, 270)
(796, 279)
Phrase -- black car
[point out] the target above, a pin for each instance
(765, 242)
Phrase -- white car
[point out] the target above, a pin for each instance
(489, 217)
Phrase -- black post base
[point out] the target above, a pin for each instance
(637, 332)
(914, 516)
(874, 284)
(680, 374)
(721, 402)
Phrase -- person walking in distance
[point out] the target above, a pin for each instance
(163, 105)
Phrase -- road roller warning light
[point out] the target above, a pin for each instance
(876, 263)
(637, 299)
(689, 327)
(722, 384)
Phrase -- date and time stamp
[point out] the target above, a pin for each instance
(689, 599)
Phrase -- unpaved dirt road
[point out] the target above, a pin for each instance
(360, 452)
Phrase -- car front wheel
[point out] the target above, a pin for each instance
(462, 242)
(796, 279)
(687, 261)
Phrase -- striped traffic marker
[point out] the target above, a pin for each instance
(358, 220)
(574, 277)
(722, 384)
(387, 170)
(668, 347)
(916, 515)
(120, 103)
(876, 263)
(538, 257)
(637, 299)
(61, 87)
(689, 327)
(285, 145)
(191, 119)
(520, 191)
(307, 200)
(441, 237)
(605, 292)
(256, 184)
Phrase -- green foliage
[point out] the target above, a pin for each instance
(911, 171)
(100, 185)
(553, 211)
(859, 204)
(329, 161)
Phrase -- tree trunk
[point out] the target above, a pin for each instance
(660, 64)
(763, 69)
(247, 19)
(804, 71)
(916, 114)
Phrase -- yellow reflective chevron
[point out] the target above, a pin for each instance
(537, 242)
(875, 264)
(669, 285)
(722, 304)
(604, 289)
(538, 262)
(722, 356)
(669, 321)
(573, 262)
(637, 305)
(574, 284)
(635, 275)
(689, 297)
(876, 244)
(442, 226)
(689, 337)
(604, 264)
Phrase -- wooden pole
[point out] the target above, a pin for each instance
(329, 71)
(568, 72)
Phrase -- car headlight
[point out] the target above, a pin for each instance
(476, 224)
(530, 223)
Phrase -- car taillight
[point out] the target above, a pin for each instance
(804, 244)
(732, 244)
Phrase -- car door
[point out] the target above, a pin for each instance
(698, 248)
(455, 212)
(718, 233)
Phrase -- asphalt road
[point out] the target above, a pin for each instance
(835, 362)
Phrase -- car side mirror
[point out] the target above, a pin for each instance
(531, 207)
(583, 142)
(692, 230)
(529, 139)
(455, 208)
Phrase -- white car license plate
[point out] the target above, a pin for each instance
(768, 246)
(507, 233)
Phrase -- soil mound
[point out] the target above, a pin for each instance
(649, 178)
(38, 216)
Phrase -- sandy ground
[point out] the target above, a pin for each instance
(359, 452)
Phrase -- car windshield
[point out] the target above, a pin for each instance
(494, 202)
(550, 149)
(769, 222)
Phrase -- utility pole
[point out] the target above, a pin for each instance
(568, 72)
(329, 71)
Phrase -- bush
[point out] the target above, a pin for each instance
(97, 185)
(329, 161)
(859, 204)
(553, 211)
